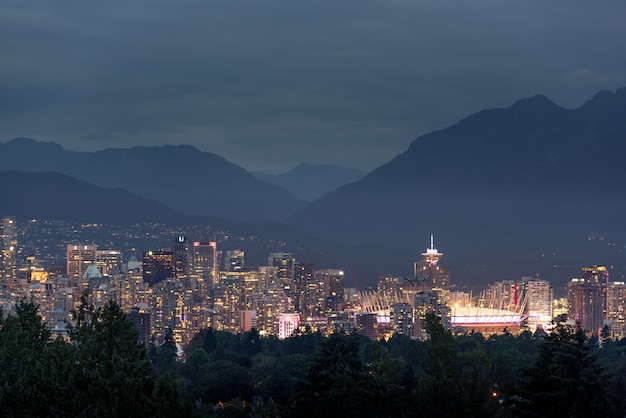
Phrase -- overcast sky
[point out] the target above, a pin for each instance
(268, 83)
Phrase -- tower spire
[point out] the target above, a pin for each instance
(431, 255)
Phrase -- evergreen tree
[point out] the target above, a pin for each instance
(112, 375)
(566, 379)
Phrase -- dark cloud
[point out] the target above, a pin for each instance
(268, 84)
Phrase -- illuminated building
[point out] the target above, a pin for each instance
(8, 252)
(247, 320)
(180, 250)
(283, 264)
(287, 325)
(539, 295)
(204, 261)
(236, 260)
(401, 319)
(367, 324)
(430, 272)
(333, 282)
(303, 274)
(157, 266)
(79, 257)
(429, 302)
(616, 302)
(585, 305)
(597, 276)
(109, 262)
(31, 271)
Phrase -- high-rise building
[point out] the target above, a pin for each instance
(598, 276)
(109, 262)
(236, 260)
(79, 257)
(204, 262)
(401, 318)
(585, 305)
(428, 270)
(8, 252)
(616, 302)
(539, 295)
(284, 264)
(180, 250)
(157, 266)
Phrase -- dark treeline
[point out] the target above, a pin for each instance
(104, 371)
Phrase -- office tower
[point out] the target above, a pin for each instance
(8, 252)
(205, 264)
(598, 276)
(333, 289)
(303, 275)
(236, 260)
(79, 257)
(157, 266)
(616, 302)
(428, 270)
(109, 262)
(585, 305)
(180, 249)
(283, 264)
(539, 295)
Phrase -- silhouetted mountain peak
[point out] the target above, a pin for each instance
(605, 98)
(27, 144)
(537, 102)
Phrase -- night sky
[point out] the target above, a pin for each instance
(269, 84)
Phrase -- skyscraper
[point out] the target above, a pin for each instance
(585, 305)
(8, 252)
(204, 261)
(157, 266)
(283, 264)
(539, 297)
(428, 270)
(79, 257)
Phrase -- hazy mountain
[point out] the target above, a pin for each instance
(181, 177)
(51, 195)
(310, 182)
(500, 187)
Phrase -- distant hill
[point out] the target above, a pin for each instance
(310, 182)
(181, 177)
(51, 195)
(55, 196)
(500, 187)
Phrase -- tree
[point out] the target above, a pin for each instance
(23, 371)
(566, 379)
(112, 376)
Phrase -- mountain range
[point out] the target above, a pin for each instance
(310, 182)
(181, 177)
(530, 189)
(502, 186)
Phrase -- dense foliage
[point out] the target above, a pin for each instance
(103, 371)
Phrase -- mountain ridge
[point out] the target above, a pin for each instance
(178, 176)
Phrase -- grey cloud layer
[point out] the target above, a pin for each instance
(268, 84)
